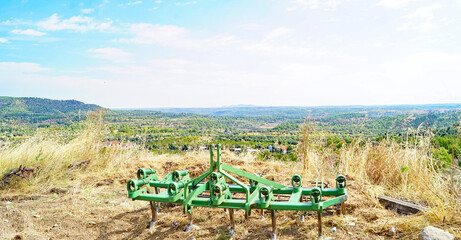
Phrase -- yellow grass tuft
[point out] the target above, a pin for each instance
(385, 168)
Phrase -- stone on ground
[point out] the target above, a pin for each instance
(433, 233)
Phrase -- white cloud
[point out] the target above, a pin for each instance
(314, 4)
(131, 3)
(76, 23)
(146, 33)
(112, 54)
(250, 26)
(16, 22)
(29, 32)
(395, 3)
(424, 13)
(27, 79)
(279, 42)
(425, 77)
(134, 3)
(87, 10)
(185, 3)
(174, 36)
(269, 49)
(303, 4)
(126, 70)
(172, 63)
(421, 19)
(21, 67)
(3, 40)
(333, 3)
(281, 32)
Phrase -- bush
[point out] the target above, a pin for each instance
(184, 147)
(172, 147)
(442, 155)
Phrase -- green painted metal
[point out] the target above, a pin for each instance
(251, 176)
(212, 190)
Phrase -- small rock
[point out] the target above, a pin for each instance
(58, 190)
(55, 225)
(333, 229)
(175, 224)
(91, 223)
(7, 203)
(351, 224)
(392, 230)
(36, 216)
(433, 233)
(18, 237)
(6, 220)
(351, 218)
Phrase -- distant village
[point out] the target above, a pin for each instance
(270, 148)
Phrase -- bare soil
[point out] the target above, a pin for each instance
(104, 211)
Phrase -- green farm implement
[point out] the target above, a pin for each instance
(213, 189)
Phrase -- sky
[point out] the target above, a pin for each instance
(211, 53)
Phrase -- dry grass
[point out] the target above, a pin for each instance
(384, 168)
(387, 168)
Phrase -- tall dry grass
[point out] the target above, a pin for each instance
(388, 168)
(52, 158)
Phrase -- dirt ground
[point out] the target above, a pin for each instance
(105, 212)
(96, 206)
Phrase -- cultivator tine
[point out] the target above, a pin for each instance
(338, 209)
(343, 208)
(263, 194)
(303, 213)
(154, 210)
(274, 227)
(189, 224)
(232, 223)
(319, 218)
(157, 205)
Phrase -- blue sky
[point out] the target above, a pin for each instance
(158, 53)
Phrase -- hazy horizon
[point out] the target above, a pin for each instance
(244, 105)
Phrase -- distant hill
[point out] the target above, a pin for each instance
(292, 112)
(31, 109)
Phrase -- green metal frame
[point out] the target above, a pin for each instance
(259, 194)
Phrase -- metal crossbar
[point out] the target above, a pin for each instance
(179, 188)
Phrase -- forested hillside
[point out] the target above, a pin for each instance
(34, 110)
